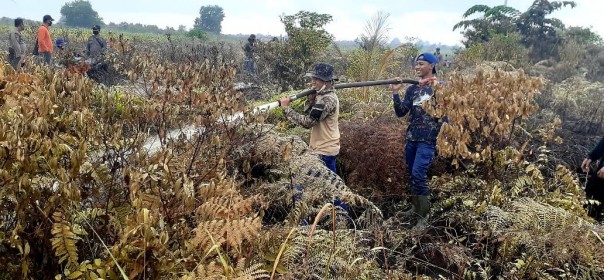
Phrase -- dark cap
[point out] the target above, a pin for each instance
(430, 58)
(96, 28)
(47, 18)
(323, 72)
(18, 22)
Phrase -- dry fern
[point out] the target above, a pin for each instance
(64, 240)
(252, 272)
(520, 184)
(232, 232)
(539, 238)
(300, 167)
(214, 271)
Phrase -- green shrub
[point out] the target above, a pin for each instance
(197, 33)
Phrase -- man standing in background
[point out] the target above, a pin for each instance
(44, 42)
(16, 50)
(439, 56)
(96, 45)
(249, 65)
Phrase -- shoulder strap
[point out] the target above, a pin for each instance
(99, 41)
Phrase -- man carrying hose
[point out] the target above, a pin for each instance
(421, 137)
(322, 110)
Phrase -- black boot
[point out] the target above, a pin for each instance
(413, 210)
(423, 212)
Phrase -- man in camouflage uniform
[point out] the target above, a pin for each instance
(421, 137)
(16, 49)
(322, 109)
(96, 44)
(321, 116)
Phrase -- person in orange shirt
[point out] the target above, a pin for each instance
(44, 42)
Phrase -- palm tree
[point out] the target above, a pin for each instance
(374, 59)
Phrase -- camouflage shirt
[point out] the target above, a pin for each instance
(95, 46)
(422, 127)
(321, 117)
(17, 44)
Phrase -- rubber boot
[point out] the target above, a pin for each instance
(412, 211)
(423, 212)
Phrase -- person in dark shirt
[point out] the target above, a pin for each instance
(422, 133)
(439, 57)
(96, 44)
(249, 64)
(595, 182)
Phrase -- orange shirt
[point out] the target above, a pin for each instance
(44, 41)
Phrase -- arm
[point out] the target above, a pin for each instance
(595, 154)
(23, 49)
(88, 44)
(598, 151)
(14, 43)
(401, 107)
(318, 112)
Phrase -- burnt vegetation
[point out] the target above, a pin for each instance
(137, 172)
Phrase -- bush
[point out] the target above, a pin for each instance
(502, 47)
(481, 112)
(197, 33)
(372, 157)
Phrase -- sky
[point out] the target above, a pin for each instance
(430, 21)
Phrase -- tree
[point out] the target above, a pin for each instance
(210, 19)
(541, 33)
(495, 20)
(285, 61)
(583, 35)
(376, 32)
(305, 31)
(79, 13)
(374, 57)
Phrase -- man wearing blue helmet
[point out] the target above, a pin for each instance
(421, 136)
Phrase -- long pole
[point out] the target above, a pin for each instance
(153, 144)
(307, 92)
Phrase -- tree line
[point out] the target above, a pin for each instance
(79, 13)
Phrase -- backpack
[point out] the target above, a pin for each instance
(35, 51)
